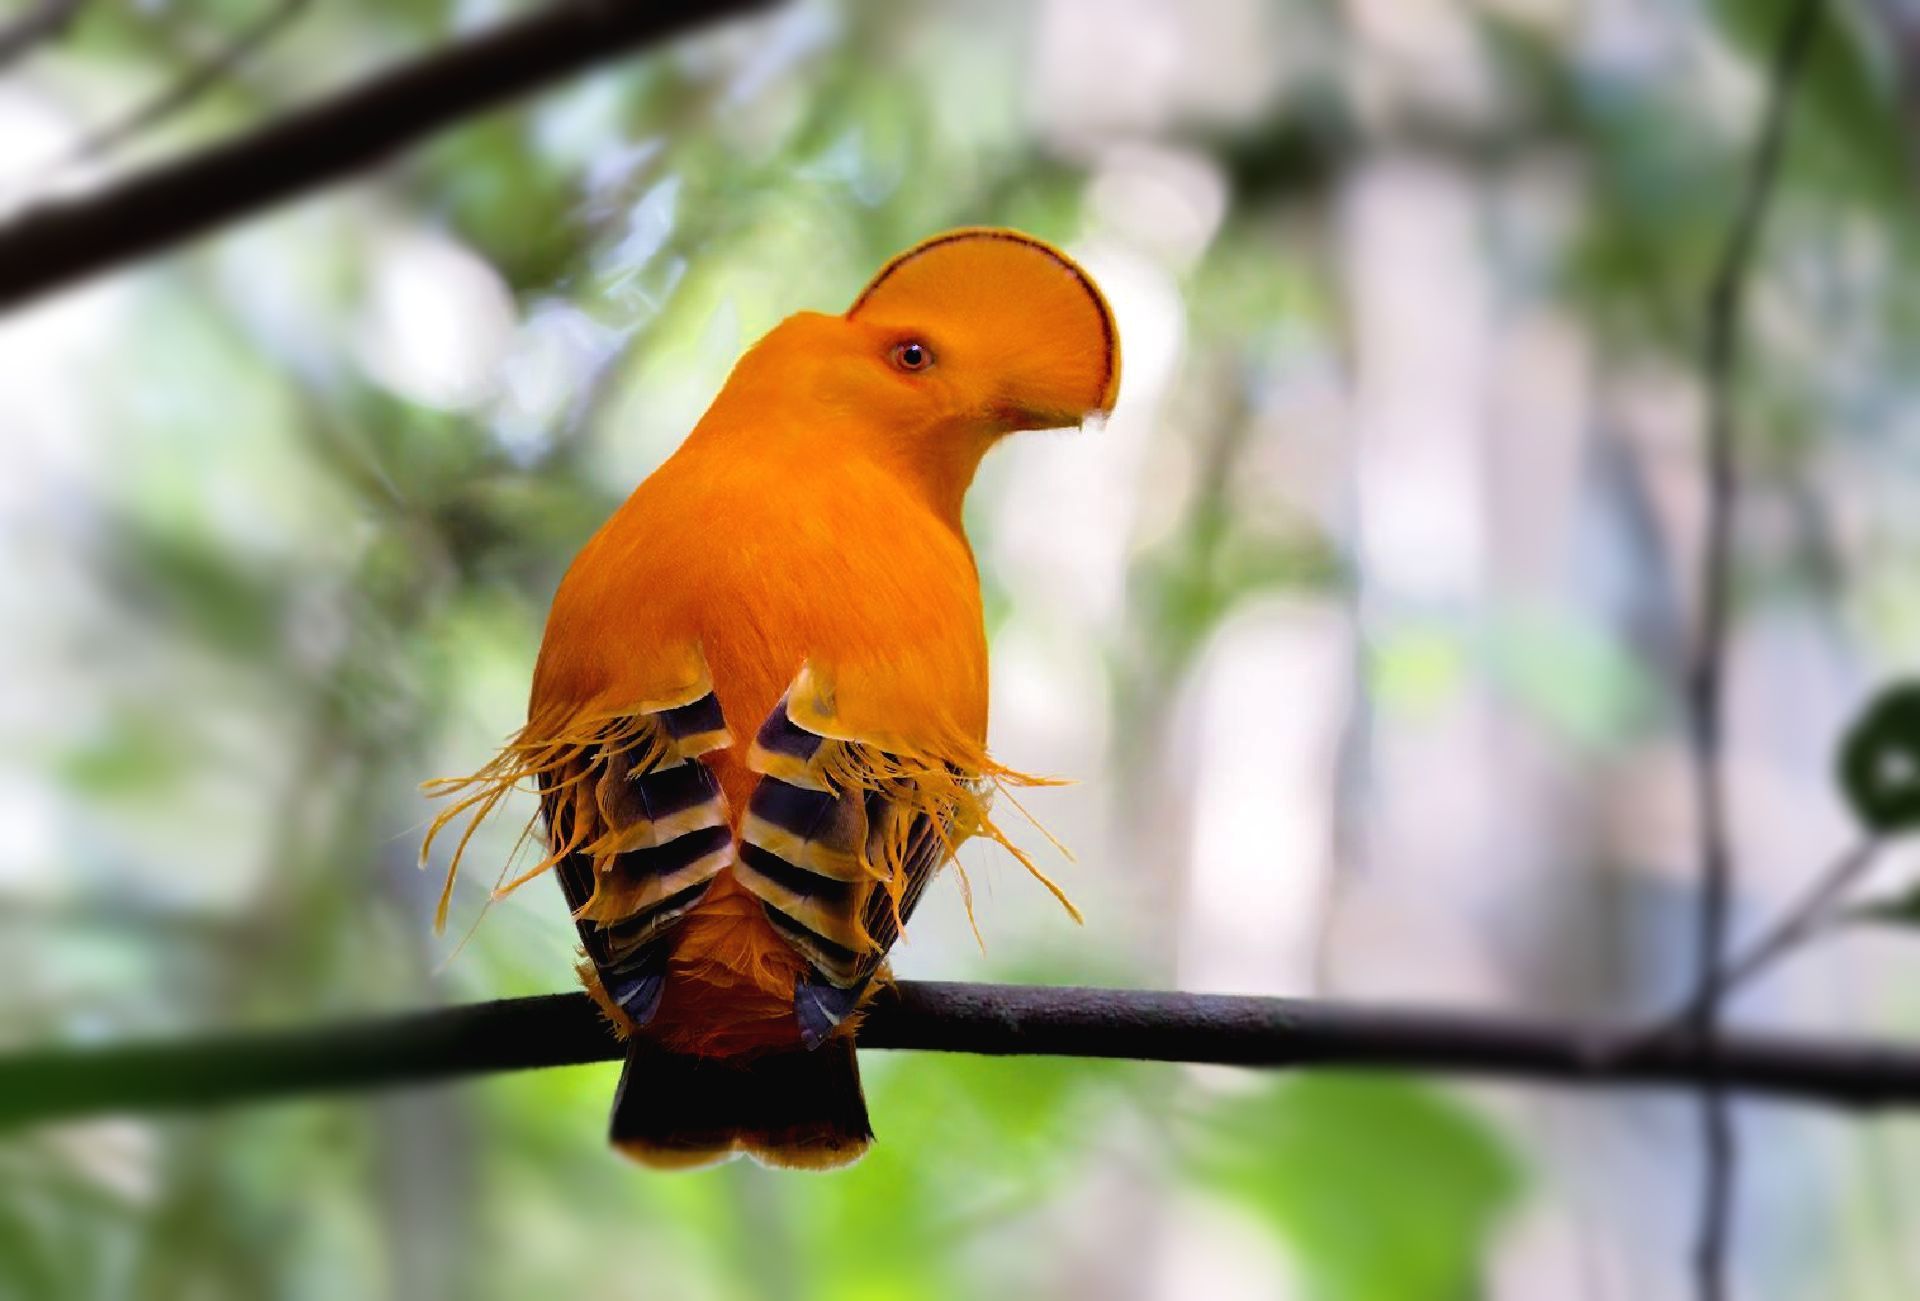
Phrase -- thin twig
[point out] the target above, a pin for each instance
(60, 243)
(39, 25)
(203, 76)
(1706, 674)
(50, 1084)
(1808, 916)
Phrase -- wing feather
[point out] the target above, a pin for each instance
(839, 841)
(637, 822)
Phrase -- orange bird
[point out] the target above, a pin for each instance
(759, 717)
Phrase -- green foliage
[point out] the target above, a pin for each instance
(1002, 1136)
(1385, 1189)
(1537, 654)
(1902, 910)
(291, 593)
(1189, 588)
(1879, 761)
(511, 201)
(1847, 115)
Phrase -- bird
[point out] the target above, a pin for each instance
(758, 718)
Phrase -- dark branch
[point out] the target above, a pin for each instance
(1706, 680)
(61, 243)
(1002, 1020)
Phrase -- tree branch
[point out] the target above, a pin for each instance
(50, 1084)
(58, 244)
(1726, 298)
(1810, 914)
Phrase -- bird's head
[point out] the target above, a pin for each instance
(990, 330)
(958, 341)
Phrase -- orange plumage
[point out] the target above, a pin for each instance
(759, 717)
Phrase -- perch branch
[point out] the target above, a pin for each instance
(49, 1084)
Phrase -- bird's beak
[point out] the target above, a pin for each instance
(1026, 416)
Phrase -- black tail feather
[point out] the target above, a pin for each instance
(802, 1110)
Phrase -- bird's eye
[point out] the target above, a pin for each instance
(912, 356)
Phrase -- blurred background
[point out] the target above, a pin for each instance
(1358, 627)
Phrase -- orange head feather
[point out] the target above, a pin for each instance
(964, 338)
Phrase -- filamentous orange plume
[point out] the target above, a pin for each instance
(758, 724)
